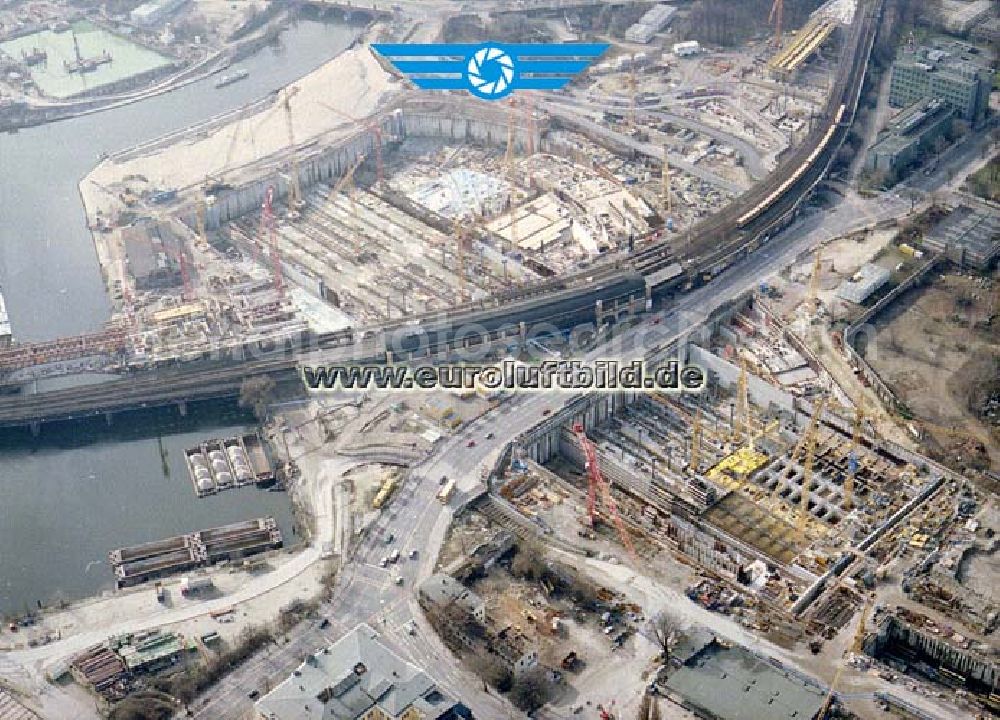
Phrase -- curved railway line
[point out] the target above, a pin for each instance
(729, 235)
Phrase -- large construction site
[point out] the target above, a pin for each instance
(773, 506)
(300, 213)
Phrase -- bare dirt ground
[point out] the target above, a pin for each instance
(223, 16)
(935, 350)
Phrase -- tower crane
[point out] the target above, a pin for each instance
(597, 482)
(460, 240)
(852, 454)
(799, 448)
(509, 161)
(809, 439)
(777, 11)
(694, 459)
(201, 213)
(665, 174)
(743, 400)
(632, 89)
(376, 130)
(856, 648)
(814, 280)
(295, 201)
(346, 182)
(528, 103)
(267, 230)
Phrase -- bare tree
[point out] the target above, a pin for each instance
(257, 393)
(654, 713)
(664, 630)
(644, 708)
(529, 561)
(530, 690)
(491, 671)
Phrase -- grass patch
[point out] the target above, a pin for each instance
(985, 182)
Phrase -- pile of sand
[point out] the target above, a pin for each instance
(324, 102)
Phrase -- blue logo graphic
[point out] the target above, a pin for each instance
(491, 71)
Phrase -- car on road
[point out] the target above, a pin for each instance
(411, 628)
(384, 562)
(413, 554)
(443, 480)
(546, 411)
(253, 694)
(324, 623)
(471, 444)
(395, 556)
(490, 436)
(399, 580)
(389, 538)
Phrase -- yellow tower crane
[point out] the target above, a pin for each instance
(743, 403)
(460, 240)
(856, 648)
(810, 438)
(695, 455)
(852, 456)
(201, 204)
(763, 432)
(346, 185)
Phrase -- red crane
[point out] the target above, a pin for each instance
(597, 483)
(267, 226)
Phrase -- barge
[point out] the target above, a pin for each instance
(220, 464)
(232, 78)
(152, 560)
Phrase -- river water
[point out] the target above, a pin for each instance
(48, 267)
(83, 489)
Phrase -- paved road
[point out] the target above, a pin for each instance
(751, 155)
(366, 592)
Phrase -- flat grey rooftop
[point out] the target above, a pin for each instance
(734, 684)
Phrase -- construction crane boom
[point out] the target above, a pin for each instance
(597, 482)
(694, 459)
(268, 230)
(376, 130)
(743, 401)
(810, 439)
(294, 191)
(814, 280)
(509, 161)
(346, 185)
(852, 454)
(776, 16)
(667, 200)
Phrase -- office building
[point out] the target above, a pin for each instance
(359, 678)
(953, 71)
(909, 137)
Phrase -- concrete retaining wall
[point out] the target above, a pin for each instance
(966, 663)
(881, 390)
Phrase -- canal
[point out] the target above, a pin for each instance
(83, 489)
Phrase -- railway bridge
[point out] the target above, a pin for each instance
(720, 242)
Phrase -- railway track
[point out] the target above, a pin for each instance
(729, 235)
